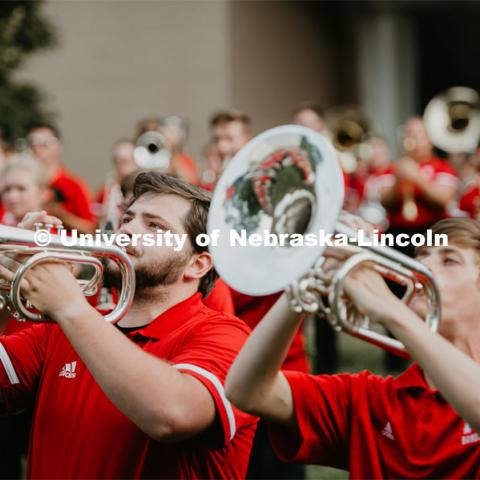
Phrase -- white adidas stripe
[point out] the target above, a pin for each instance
(219, 387)
(7, 364)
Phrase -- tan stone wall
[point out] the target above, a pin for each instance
(119, 61)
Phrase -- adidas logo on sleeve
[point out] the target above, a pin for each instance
(68, 370)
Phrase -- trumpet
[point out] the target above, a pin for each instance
(287, 181)
(17, 241)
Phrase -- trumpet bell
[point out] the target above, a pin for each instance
(452, 120)
(151, 151)
(17, 241)
(287, 180)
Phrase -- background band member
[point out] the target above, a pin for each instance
(230, 130)
(24, 188)
(310, 115)
(143, 398)
(375, 427)
(418, 188)
(71, 202)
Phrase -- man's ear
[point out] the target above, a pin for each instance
(198, 266)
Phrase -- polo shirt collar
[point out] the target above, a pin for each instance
(172, 318)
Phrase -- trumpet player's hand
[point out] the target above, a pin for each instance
(356, 223)
(407, 169)
(31, 218)
(52, 288)
(370, 295)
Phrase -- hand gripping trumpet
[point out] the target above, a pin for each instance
(287, 181)
(17, 241)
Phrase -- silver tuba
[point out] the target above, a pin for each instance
(17, 241)
(452, 119)
(287, 181)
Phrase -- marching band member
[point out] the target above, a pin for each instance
(310, 115)
(24, 188)
(123, 163)
(229, 132)
(450, 361)
(143, 398)
(72, 196)
(377, 427)
(417, 189)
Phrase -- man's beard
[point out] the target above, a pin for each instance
(164, 273)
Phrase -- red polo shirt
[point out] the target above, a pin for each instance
(220, 298)
(377, 427)
(436, 170)
(470, 201)
(252, 309)
(78, 433)
(74, 193)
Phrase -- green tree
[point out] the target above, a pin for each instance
(23, 30)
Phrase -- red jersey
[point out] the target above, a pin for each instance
(436, 170)
(470, 201)
(252, 309)
(72, 193)
(7, 218)
(377, 427)
(220, 298)
(77, 432)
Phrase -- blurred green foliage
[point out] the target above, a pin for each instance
(23, 31)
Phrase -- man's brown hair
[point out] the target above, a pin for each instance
(227, 116)
(195, 222)
(464, 232)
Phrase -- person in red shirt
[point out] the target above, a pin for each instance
(143, 398)
(24, 188)
(373, 426)
(418, 188)
(230, 130)
(71, 201)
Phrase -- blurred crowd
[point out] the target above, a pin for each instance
(408, 193)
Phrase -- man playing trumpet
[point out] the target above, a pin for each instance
(143, 398)
(378, 427)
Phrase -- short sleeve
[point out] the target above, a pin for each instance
(322, 406)
(445, 175)
(22, 355)
(208, 355)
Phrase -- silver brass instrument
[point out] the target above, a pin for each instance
(151, 151)
(17, 241)
(287, 181)
(453, 120)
